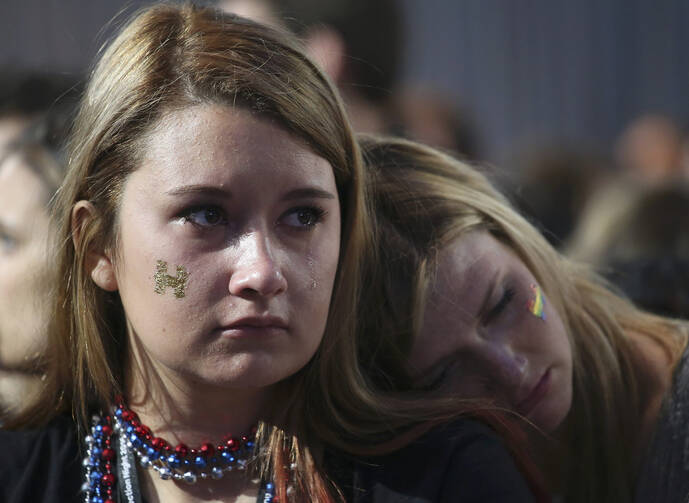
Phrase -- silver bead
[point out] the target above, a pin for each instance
(85, 487)
(86, 462)
(88, 439)
(216, 473)
(241, 464)
(189, 478)
(204, 475)
(165, 473)
(145, 462)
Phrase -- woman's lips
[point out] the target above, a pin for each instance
(526, 406)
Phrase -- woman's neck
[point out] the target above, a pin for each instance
(183, 411)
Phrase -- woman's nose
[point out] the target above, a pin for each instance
(257, 271)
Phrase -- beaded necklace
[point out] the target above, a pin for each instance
(124, 432)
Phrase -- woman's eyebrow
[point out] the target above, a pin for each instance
(199, 189)
(307, 193)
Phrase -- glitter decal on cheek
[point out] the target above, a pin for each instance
(164, 280)
(536, 305)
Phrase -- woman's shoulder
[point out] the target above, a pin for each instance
(461, 461)
(41, 464)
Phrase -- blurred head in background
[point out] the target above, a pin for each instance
(31, 169)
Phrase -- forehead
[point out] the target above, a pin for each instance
(224, 140)
(466, 264)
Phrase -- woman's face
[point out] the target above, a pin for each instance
(253, 217)
(490, 332)
(24, 225)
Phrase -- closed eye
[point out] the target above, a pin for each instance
(500, 306)
(303, 217)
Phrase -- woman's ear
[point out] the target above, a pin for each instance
(98, 262)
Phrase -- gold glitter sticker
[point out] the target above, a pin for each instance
(164, 280)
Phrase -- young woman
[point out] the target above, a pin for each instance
(476, 304)
(212, 226)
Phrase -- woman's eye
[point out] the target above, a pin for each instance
(500, 306)
(205, 216)
(7, 242)
(303, 217)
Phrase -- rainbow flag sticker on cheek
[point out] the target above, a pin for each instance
(535, 305)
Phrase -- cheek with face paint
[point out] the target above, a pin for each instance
(163, 280)
(536, 304)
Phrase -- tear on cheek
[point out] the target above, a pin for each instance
(163, 280)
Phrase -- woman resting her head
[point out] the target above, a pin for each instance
(474, 303)
(212, 224)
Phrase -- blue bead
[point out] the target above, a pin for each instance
(227, 458)
(151, 452)
(118, 412)
(173, 461)
(186, 465)
(95, 476)
(270, 486)
(96, 452)
(129, 430)
(99, 428)
(200, 462)
(213, 461)
(249, 445)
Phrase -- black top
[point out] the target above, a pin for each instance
(465, 462)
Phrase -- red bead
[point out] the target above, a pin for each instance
(108, 491)
(232, 444)
(245, 439)
(108, 454)
(139, 430)
(207, 450)
(159, 444)
(107, 442)
(108, 479)
(182, 450)
(111, 501)
(107, 430)
(145, 429)
(220, 448)
(108, 467)
(127, 415)
(148, 437)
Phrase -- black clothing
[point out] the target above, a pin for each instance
(41, 465)
(464, 462)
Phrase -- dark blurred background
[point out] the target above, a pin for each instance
(581, 105)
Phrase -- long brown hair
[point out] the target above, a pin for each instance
(169, 57)
(424, 199)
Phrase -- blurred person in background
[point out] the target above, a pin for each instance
(551, 186)
(638, 237)
(429, 116)
(31, 169)
(27, 94)
(356, 42)
(650, 148)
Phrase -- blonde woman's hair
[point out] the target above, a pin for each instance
(424, 199)
(169, 57)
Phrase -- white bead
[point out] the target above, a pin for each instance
(216, 473)
(165, 473)
(189, 478)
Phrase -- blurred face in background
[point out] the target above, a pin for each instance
(24, 225)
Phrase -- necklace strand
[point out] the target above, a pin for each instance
(180, 463)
